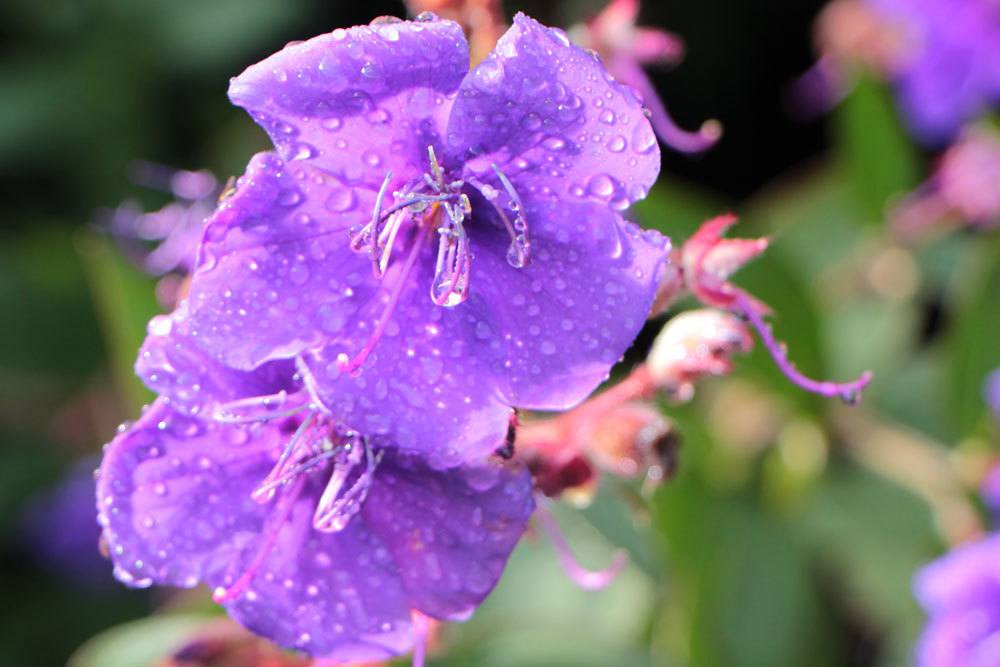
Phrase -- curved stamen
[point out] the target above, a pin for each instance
(336, 506)
(663, 124)
(307, 466)
(590, 580)
(256, 409)
(366, 235)
(381, 250)
(270, 536)
(265, 491)
(519, 253)
(350, 365)
(849, 392)
(438, 175)
(453, 268)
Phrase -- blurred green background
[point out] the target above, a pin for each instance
(791, 532)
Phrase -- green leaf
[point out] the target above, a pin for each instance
(974, 342)
(537, 617)
(139, 643)
(50, 327)
(125, 302)
(677, 210)
(870, 536)
(875, 151)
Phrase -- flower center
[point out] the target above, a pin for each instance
(317, 445)
(434, 203)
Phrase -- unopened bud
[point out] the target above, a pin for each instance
(693, 344)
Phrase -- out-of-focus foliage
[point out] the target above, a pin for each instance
(788, 537)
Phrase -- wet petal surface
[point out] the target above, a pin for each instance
(553, 119)
(558, 325)
(171, 364)
(276, 275)
(361, 101)
(174, 498)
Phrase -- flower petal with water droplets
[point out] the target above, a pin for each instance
(361, 101)
(550, 116)
(171, 364)
(276, 275)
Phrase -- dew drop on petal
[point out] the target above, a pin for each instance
(617, 144)
(289, 198)
(554, 143)
(302, 151)
(160, 325)
(643, 139)
(488, 75)
(531, 122)
(341, 200)
(601, 186)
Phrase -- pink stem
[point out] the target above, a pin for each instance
(350, 365)
(849, 392)
(638, 384)
(420, 630)
(588, 580)
(222, 594)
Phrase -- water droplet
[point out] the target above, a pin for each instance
(298, 274)
(289, 198)
(531, 122)
(643, 139)
(389, 33)
(489, 74)
(483, 330)
(560, 36)
(372, 70)
(160, 325)
(332, 124)
(554, 143)
(281, 127)
(302, 151)
(601, 186)
(617, 144)
(371, 158)
(608, 116)
(379, 116)
(341, 200)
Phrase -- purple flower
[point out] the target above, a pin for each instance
(947, 69)
(964, 190)
(59, 528)
(991, 392)
(176, 228)
(961, 594)
(313, 535)
(433, 245)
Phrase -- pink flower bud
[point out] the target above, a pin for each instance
(693, 344)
